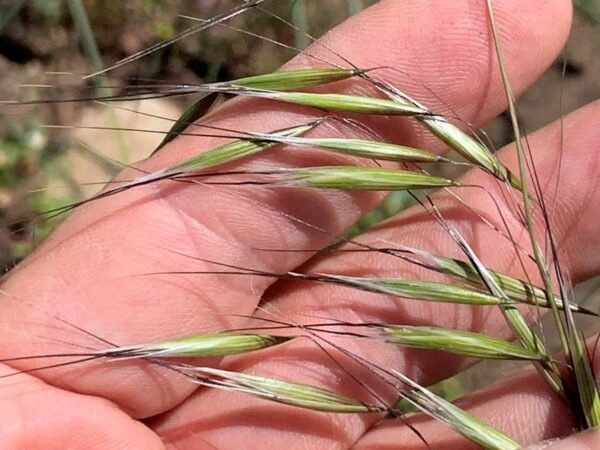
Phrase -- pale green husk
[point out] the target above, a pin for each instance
(460, 342)
(361, 178)
(202, 345)
(281, 391)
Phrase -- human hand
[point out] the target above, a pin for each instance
(86, 272)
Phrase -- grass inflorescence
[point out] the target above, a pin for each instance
(339, 127)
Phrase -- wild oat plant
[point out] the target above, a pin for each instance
(217, 293)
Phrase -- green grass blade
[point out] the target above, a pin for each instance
(92, 55)
(392, 204)
(198, 110)
(86, 36)
(300, 21)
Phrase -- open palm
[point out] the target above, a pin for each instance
(87, 271)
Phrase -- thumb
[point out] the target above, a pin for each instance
(586, 440)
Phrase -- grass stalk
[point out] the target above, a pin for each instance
(92, 54)
(588, 396)
(300, 21)
(354, 6)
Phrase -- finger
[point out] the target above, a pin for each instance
(573, 231)
(586, 440)
(86, 271)
(522, 406)
(38, 416)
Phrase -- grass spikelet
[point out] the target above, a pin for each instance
(203, 345)
(224, 154)
(417, 289)
(237, 149)
(587, 400)
(336, 102)
(468, 147)
(291, 79)
(359, 178)
(584, 374)
(193, 346)
(517, 290)
(513, 316)
(368, 149)
(465, 145)
(461, 421)
(464, 282)
(280, 391)
(459, 342)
